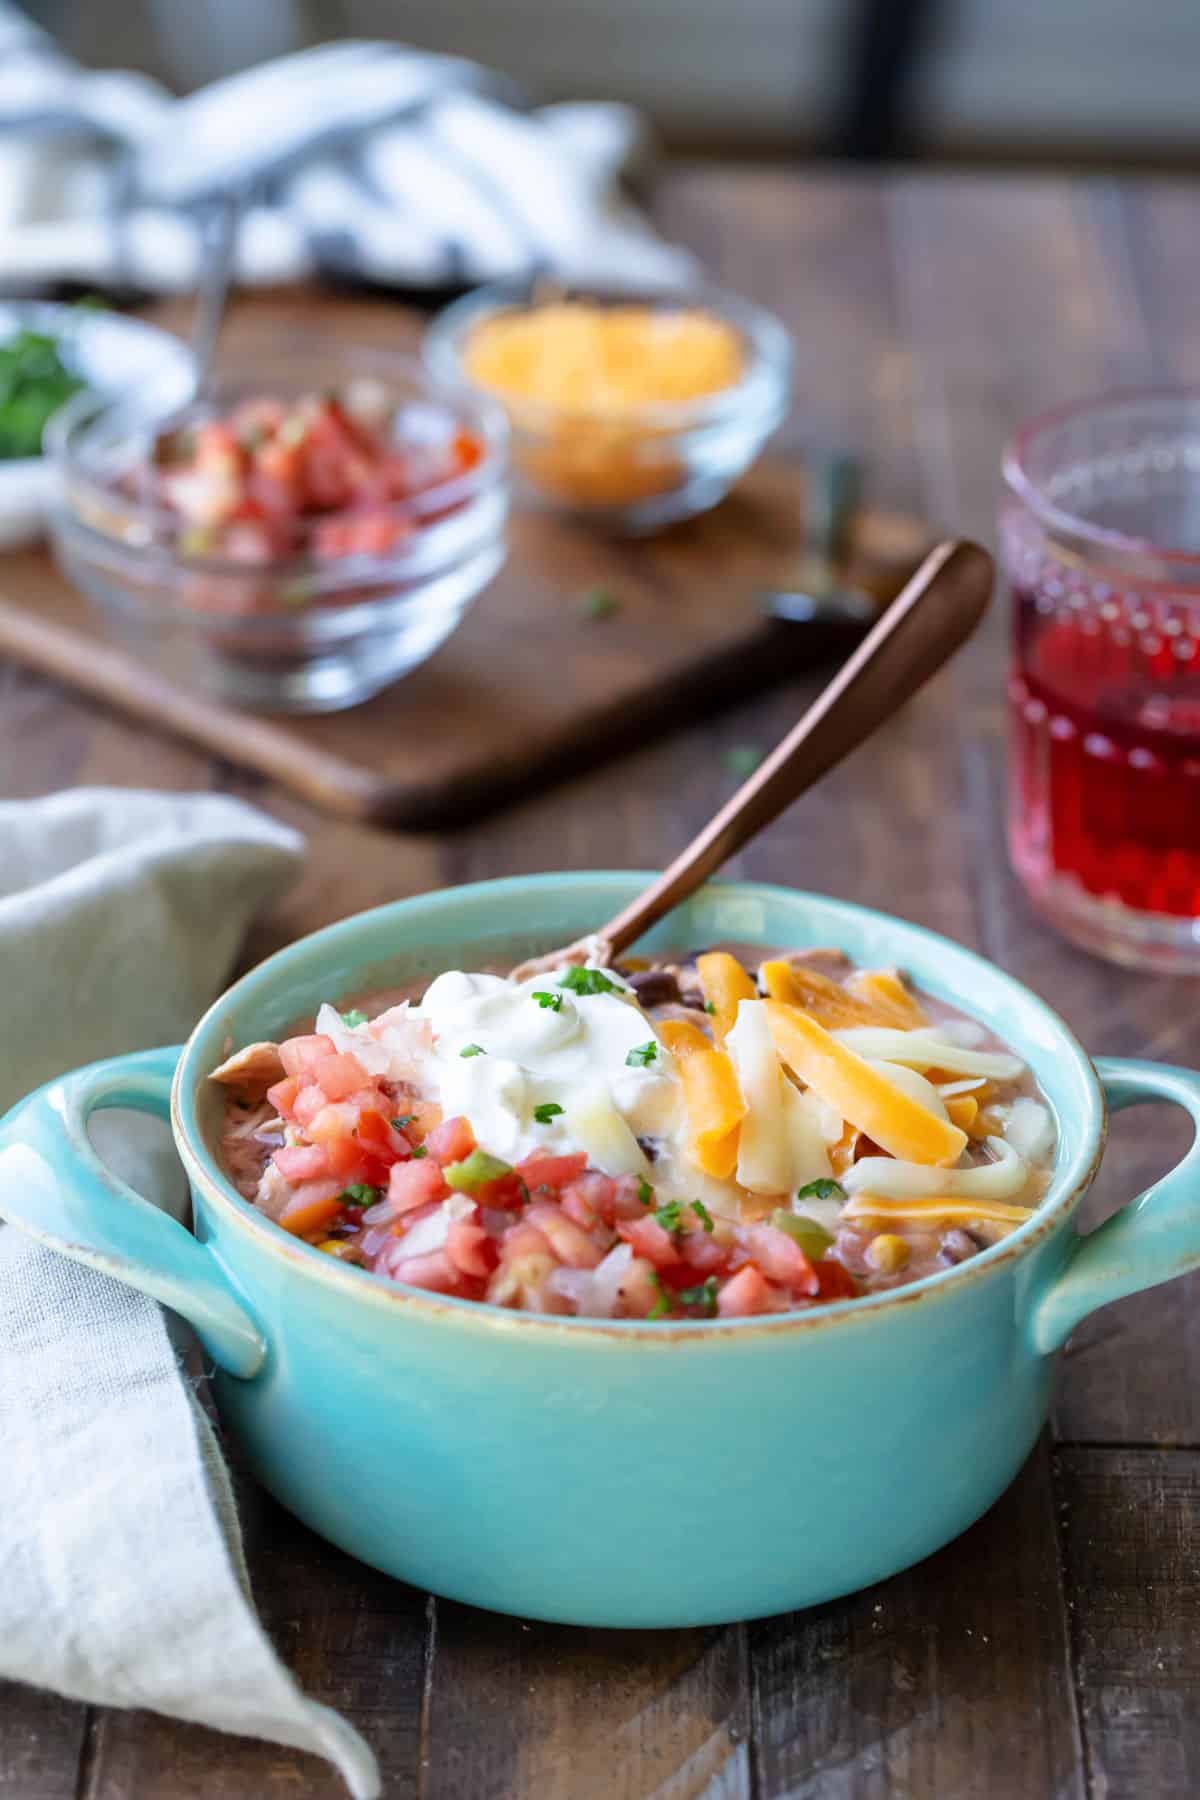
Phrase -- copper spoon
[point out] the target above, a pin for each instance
(935, 613)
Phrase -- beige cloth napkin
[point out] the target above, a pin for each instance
(122, 1580)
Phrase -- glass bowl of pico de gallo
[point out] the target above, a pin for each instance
(305, 532)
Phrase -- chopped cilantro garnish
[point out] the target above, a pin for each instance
(403, 1120)
(353, 1018)
(361, 1193)
(743, 759)
(704, 1296)
(597, 603)
(642, 1056)
(668, 1216)
(553, 1001)
(702, 1213)
(549, 1109)
(588, 981)
(710, 1006)
(473, 1050)
(822, 1190)
(645, 1191)
(662, 1305)
(420, 1150)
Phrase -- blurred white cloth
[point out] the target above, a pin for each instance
(368, 159)
(122, 1581)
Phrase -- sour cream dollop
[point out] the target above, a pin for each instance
(534, 1045)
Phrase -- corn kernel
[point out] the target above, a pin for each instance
(339, 1247)
(887, 1253)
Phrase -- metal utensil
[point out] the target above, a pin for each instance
(819, 592)
(936, 612)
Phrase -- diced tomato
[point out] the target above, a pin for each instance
(541, 1170)
(627, 1199)
(434, 1272)
(424, 1115)
(640, 1290)
(780, 1258)
(744, 1294)
(701, 1252)
(415, 1183)
(593, 1196)
(508, 1193)
(835, 1282)
(333, 1122)
(308, 1103)
(451, 1141)
(381, 1137)
(283, 1095)
(650, 1240)
(340, 1075)
(311, 1208)
(471, 1249)
(569, 1242)
(299, 1055)
(301, 1162)
(346, 1159)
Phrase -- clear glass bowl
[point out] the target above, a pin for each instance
(298, 634)
(634, 471)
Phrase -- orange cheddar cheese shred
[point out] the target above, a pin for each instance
(823, 999)
(712, 1098)
(859, 1093)
(946, 1209)
(884, 990)
(726, 984)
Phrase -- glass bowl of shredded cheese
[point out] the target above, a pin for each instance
(627, 410)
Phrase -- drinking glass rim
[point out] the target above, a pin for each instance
(1134, 556)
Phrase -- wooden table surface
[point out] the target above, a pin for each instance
(1055, 1648)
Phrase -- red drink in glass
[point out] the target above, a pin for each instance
(1101, 542)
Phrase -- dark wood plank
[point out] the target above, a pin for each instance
(558, 1714)
(951, 1679)
(354, 1640)
(42, 1741)
(1129, 1536)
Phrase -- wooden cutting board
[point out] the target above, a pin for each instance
(531, 684)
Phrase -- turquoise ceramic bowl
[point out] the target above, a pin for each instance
(570, 1469)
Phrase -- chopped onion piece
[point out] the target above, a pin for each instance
(606, 1280)
(896, 1180)
(354, 1040)
(949, 1089)
(1029, 1128)
(928, 1050)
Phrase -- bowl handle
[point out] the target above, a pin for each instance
(55, 1187)
(1154, 1238)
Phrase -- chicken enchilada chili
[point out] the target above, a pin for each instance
(733, 1134)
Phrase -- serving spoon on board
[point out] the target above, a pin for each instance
(933, 615)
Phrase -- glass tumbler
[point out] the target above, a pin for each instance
(1100, 539)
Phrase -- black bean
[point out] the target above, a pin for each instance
(649, 1148)
(655, 987)
(957, 1246)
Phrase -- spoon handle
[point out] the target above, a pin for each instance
(936, 612)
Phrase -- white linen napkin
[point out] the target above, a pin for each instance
(122, 1580)
(369, 159)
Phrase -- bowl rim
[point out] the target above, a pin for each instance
(1067, 1187)
(427, 511)
(761, 388)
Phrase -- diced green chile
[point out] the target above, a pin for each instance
(812, 1238)
(475, 1171)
